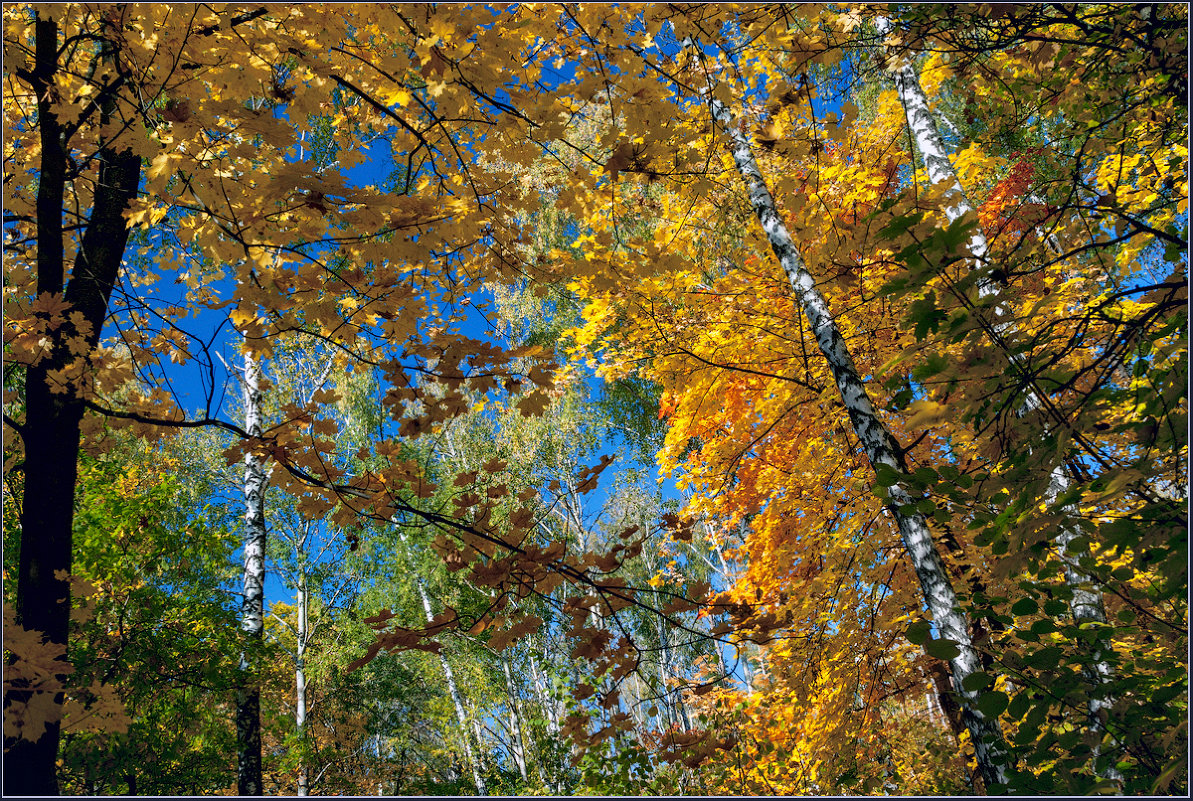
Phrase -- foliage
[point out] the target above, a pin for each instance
(156, 629)
(560, 279)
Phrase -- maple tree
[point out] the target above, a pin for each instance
(91, 96)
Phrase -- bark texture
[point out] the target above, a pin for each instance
(252, 609)
(519, 741)
(880, 448)
(457, 700)
(300, 687)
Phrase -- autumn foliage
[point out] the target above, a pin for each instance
(707, 399)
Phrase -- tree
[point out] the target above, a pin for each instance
(920, 252)
(153, 642)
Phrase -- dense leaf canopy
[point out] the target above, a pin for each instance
(757, 399)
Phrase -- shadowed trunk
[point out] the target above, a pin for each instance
(51, 430)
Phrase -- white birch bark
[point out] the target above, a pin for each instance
(300, 685)
(457, 699)
(1087, 605)
(519, 743)
(547, 702)
(252, 622)
(543, 692)
(880, 449)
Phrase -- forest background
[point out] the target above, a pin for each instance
(555, 399)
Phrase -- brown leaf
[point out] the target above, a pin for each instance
(464, 479)
(177, 111)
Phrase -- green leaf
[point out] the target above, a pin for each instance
(1044, 659)
(1024, 606)
(926, 476)
(926, 317)
(899, 225)
(942, 649)
(886, 476)
(975, 682)
(1043, 627)
(1123, 573)
(993, 704)
(918, 632)
(934, 364)
(1166, 694)
(1019, 705)
(1054, 607)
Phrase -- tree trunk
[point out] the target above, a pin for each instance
(546, 700)
(457, 700)
(51, 433)
(881, 449)
(300, 686)
(519, 744)
(1087, 605)
(543, 691)
(252, 617)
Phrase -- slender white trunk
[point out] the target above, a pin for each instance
(1087, 605)
(519, 743)
(543, 692)
(300, 685)
(457, 699)
(880, 449)
(553, 707)
(248, 698)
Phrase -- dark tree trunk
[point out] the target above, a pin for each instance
(51, 428)
(248, 741)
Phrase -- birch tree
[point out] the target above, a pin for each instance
(252, 610)
(1087, 606)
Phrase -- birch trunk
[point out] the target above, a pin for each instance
(553, 707)
(457, 699)
(1087, 605)
(880, 448)
(248, 702)
(519, 744)
(248, 697)
(543, 692)
(300, 687)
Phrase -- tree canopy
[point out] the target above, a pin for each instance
(731, 399)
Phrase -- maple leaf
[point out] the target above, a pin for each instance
(534, 404)
(177, 111)
(50, 304)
